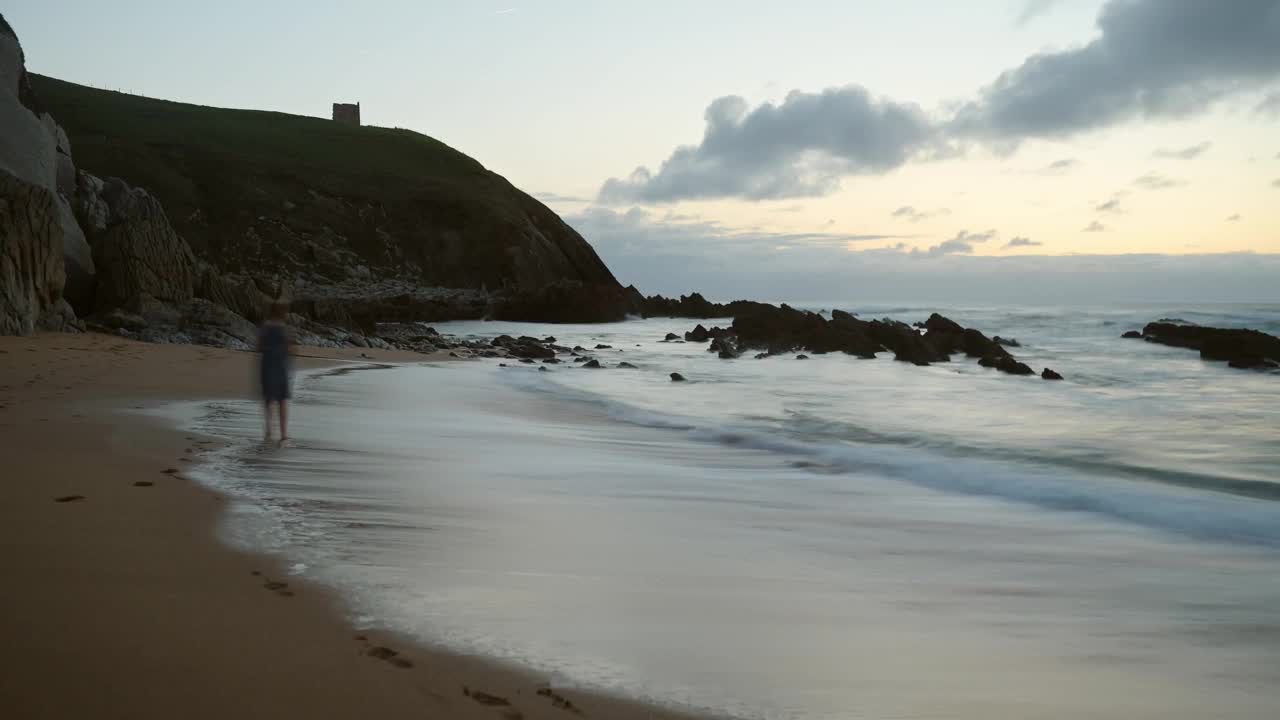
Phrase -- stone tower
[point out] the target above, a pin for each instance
(347, 113)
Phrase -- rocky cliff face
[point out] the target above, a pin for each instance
(41, 245)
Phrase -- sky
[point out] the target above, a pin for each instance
(996, 149)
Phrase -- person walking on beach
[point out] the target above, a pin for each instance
(274, 347)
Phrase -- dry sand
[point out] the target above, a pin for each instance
(122, 604)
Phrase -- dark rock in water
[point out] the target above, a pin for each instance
(698, 334)
(581, 359)
(1048, 374)
(551, 361)
(688, 306)
(544, 368)
(1132, 335)
(802, 357)
(761, 356)
(1007, 342)
(499, 364)
(1006, 364)
(527, 361)
(591, 364)
(579, 348)
(724, 347)
(523, 348)
(548, 339)
(604, 347)
(626, 366)
(947, 336)
(1253, 363)
(677, 377)
(670, 337)
(1240, 348)
(567, 302)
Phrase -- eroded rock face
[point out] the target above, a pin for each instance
(31, 279)
(139, 254)
(567, 302)
(1240, 348)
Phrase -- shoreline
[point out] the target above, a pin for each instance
(123, 602)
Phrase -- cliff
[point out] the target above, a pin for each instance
(302, 201)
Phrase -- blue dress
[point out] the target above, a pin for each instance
(273, 343)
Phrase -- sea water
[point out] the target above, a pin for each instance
(821, 538)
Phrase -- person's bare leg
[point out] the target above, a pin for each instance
(284, 422)
(266, 420)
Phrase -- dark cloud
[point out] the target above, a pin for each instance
(962, 243)
(799, 148)
(1186, 153)
(1022, 242)
(1152, 58)
(909, 212)
(1152, 181)
(1095, 227)
(1032, 9)
(1234, 218)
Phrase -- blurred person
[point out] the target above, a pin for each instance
(274, 348)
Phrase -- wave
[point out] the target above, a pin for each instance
(1187, 504)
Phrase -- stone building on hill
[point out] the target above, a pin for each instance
(347, 113)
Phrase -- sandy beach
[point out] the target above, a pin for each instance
(118, 601)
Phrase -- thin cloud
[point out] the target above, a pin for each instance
(507, 11)
(550, 197)
(1234, 218)
(1275, 183)
(1152, 181)
(911, 214)
(1110, 206)
(1095, 227)
(1022, 242)
(1270, 105)
(1058, 167)
(1032, 9)
(1186, 153)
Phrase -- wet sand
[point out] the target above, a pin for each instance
(118, 601)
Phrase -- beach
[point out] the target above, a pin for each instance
(123, 604)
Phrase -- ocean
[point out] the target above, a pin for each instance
(820, 538)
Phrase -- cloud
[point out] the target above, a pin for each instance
(1057, 167)
(1032, 9)
(1270, 105)
(1186, 153)
(1275, 183)
(799, 148)
(1151, 59)
(1152, 181)
(1110, 206)
(962, 243)
(550, 197)
(1095, 227)
(1234, 218)
(1022, 242)
(506, 11)
(910, 213)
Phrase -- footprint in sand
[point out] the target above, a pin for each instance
(386, 654)
(143, 483)
(68, 498)
(485, 698)
(559, 701)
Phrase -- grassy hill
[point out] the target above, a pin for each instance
(265, 193)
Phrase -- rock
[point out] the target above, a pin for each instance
(1048, 374)
(527, 361)
(566, 302)
(581, 359)
(238, 294)
(140, 254)
(698, 334)
(28, 144)
(689, 306)
(1006, 364)
(626, 366)
(1240, 348)
(544, 368)
(1007, 342)
(761, 356)
(677, 377)
(604, 347)
(549, 340)
(671, 337)
(591, 364)
(31, 261)
(947, 337)
(551, 361)
(1132, 335)
(802, 357)
(77, 259)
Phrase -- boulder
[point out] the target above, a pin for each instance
(1006, 364)
(77, 260)
(1007, 342)
(31, 275)
(1132, 335)
(626, 366)
(677, 377)
(1048, 374)
(697, 334)
(139, 253)
(591, 364)
(671, 337)
(948, 337)
(802, 356)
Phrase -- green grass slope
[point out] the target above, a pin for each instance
(270, 194)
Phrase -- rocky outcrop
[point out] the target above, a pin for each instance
(31, 278)
(139, 254)
(1240, 348)
(567, 302)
